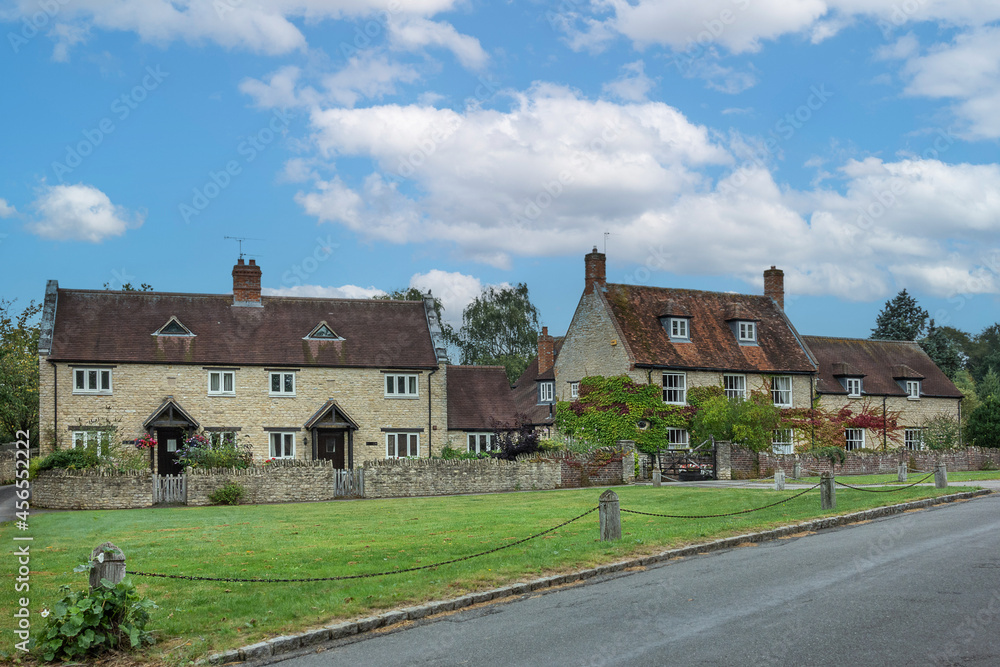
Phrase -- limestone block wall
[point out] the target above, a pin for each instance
(91, 489)
(8, 471)
(912, 413)
(592, 347)
(272, 483)
(403, 478)
(139, 389)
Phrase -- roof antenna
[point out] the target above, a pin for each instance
(240, 240)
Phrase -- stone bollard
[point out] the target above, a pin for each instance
(610, 515)
(941, 476)
(827, 492)
(797, 470)
(657, 478)
(902, 472)
(108, 563)
(779, 480)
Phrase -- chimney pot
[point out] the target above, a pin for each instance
(546, 351)
(246, 284)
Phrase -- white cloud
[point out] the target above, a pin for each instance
(412, 34)
(552, 174)
(6, 210)
(322, 292)
(633, 85)
(80, 213)
(263, 26)
(455, 290)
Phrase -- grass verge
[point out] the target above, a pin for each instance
(889, 479)
(354, 537)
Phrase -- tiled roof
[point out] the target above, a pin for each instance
(113, 327)
(637, 311)
(880, 362)
(478, 395)
(526, 389)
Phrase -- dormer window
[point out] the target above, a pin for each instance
(678, 328)
(913, 389)
(747, 332)
(853, 387)
(323, 332)
(173, 327)
(546, 392)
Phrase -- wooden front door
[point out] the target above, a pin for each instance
(168, 441)
(333, 447)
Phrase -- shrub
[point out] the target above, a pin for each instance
(942, 432)
(88, 622)
(983, 428)
(988, 465)
(230, 494)
(72, 459)
(833, 454)
(198, 452)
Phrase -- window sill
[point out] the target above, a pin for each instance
(281, 395)
(222, 395)
(913, 398)
(93, 393)
(400, 397)
(674, 403)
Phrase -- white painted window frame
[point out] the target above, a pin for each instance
(909, 442)
(393, 437)
(783, 441)
(854, 382)
(913, 390)
(546, 392)
(411, 385)
(680, 328)
(477, 438)
(281, 383)
(735, 392)
(681, 389)
(222, 383)
(678, 438)
(283, 438)
(776, 391)
(746, 331)
(99, 376)
(574, 390)
(859, 440)
(84, 438)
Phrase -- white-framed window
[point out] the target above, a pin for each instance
(282, 445)
(222, 383)
(853, 387)
(401, 385)
(546, 392)
(217, 438)
(480, 443)
(913, 438)
(735, 386)
(679, 328)
(282, 383)
(854, 438)
(913, 389)
(91, 380)
(574, 390)
(402, 445)
(675, 388)
(781, 441)
(677, 438)
(99, 441)
(781, 391)
(747, 332)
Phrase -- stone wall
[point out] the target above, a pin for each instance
(741, 461)
(406, 477)
(603, 467)
(913, 413)
(91, 489)
(7, 469)
(277, 482)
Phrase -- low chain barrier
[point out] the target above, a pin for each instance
(716, 516)
(895, 488)
(260, 580)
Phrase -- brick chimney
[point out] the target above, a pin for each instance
(246, 284)
(546, 350)
(774, 285)
(595, 271)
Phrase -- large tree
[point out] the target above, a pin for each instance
(500, 327)
(983, 429)
(902, 318)
(942, 350)
(19, 334)
(984, 352)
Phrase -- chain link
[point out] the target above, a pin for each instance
(259, 580)
(716, 516)
(898, 488)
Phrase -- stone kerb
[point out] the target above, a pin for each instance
(93, 488)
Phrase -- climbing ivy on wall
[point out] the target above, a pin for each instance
(614, 408)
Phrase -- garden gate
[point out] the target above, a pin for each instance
(169, 489)
(688, 464)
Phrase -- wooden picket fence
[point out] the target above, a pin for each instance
(349, 483)
(169, 489)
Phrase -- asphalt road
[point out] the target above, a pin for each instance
(922, 588)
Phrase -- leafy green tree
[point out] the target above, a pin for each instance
(19, 333)
(942, 350)
(500, 327)
(901, 319)
(984, 423)
(963, 380)
(749, 422)
(989, 386)
(984, 352)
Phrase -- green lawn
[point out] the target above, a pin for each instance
(353, 537)
(890, 478)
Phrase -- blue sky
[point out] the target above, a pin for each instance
(366, 145)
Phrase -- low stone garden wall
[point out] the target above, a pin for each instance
(276, 482)
(93, 489)
(436, 477)
(739, 461)
(8, 471)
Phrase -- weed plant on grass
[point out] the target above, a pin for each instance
(355, 537)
